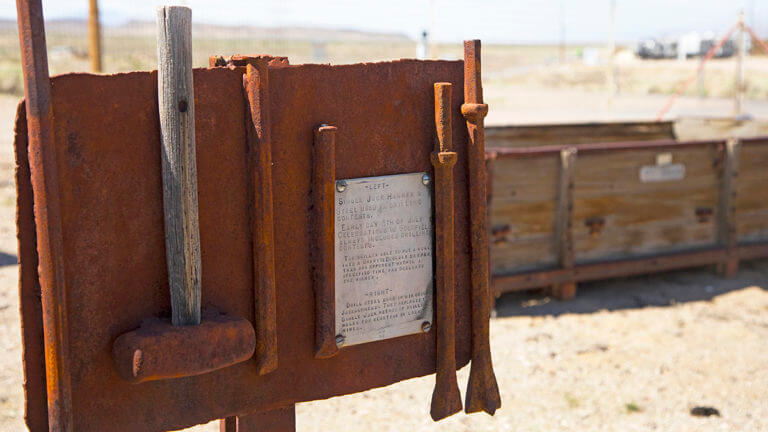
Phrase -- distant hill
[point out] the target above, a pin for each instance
(145, 28)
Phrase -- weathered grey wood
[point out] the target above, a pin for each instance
(177, 126)
(564, 222)
(726, 221)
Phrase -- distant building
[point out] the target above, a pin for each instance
(687, 45)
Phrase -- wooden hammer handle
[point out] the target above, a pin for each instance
(446, 399)
(176, 104)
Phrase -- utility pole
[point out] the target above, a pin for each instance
(94, 36)
(611, 72)
(562, 31)
(739, 93)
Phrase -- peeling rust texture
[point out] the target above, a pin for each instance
(36, 411)
(106, 150)
(48, 215)
(323, 235)
(446, 398)
(256, 85)
(241, 60)
(159, 350)
(482, 389)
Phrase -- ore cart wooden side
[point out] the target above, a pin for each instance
(619, 209)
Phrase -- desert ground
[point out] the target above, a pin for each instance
(634, 354)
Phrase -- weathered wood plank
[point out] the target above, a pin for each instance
(177, 127)
(522, 213)
(582, 133)
(751, 201)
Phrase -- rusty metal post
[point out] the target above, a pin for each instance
(446, 399)
(94, 36)
(45, 182)
(482, 389)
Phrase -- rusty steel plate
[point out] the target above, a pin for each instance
(384, 257)
(107, 148)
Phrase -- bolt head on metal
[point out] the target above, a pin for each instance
(340, 341)
(341, 185)
(426, 180)
(426, 326)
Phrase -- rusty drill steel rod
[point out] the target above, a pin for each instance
(256, 86)
(45, 183)
(323, 184)
(482, 389)
(446, 399)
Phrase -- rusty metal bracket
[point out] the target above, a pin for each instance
(323, 234)
(482, 389)
(256, 84)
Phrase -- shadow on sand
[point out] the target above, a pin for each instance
(7, 259)
(660, 289)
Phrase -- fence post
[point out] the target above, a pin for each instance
(94, 36)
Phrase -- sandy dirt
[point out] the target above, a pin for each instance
(626, 355)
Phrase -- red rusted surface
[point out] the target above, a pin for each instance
(256, 86)
(482, 389)
(276, 420)
(158, 350)
(48, 215)
(446, 399)
(106, 151)
(323, 236)
(36, 411)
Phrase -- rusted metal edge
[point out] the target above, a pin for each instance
(244, 60)
(446, 398)
(35, 406)
(482, 388)
(323, 236)
(159, 350)
(256, 84)
(625, 267)
(45, 184)
(513, 152)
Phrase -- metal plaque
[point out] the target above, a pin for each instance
(661, 173)
(383, 257)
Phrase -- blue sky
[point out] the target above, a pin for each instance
(522, 21)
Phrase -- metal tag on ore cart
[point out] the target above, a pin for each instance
(384, 257)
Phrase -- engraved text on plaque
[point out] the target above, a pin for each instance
(383, 255)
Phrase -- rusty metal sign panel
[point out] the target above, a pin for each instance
(384, 257)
